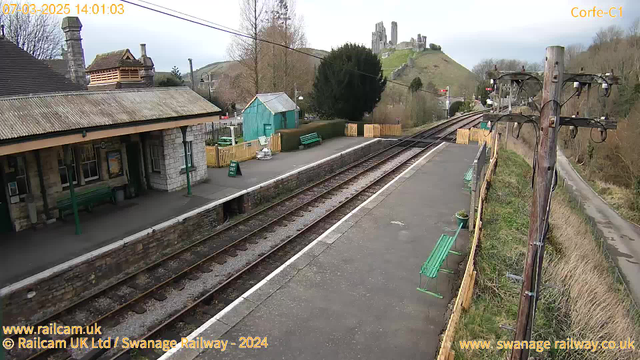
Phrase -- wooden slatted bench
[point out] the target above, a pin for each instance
(225, 141)
(434, 262)
(467, 178)
(85, 199)
(310, 139)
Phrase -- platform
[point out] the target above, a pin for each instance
(31, 251)
(352, 292)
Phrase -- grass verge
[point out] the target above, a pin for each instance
(580, 298)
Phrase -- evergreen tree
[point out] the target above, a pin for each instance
(344, 87)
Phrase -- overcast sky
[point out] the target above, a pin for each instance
(467, 30)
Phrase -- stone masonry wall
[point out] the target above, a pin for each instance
(174, 156)
(95, 272)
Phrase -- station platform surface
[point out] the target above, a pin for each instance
(29, 252)
(352, 292)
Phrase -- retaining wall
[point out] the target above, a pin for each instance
(81, 277)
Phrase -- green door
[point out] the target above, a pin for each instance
(5, 218)
(133, 162)
(268, 130)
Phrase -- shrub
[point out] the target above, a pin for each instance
(290, 138)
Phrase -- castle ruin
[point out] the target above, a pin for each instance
(379, 40)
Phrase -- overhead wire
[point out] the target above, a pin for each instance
(226, 29)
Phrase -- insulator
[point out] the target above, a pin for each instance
(573, 131)
(603, 135)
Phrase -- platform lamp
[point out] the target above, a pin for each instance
(186, 157)
(68, 163)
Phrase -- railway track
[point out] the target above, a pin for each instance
(186, 288)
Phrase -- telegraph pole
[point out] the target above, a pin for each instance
(543, 181)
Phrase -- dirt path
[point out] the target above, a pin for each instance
(623, 237)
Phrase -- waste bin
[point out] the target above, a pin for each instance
(119, 195)
(31, 206)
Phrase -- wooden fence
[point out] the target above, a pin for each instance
(222, 156)
(479, 135)
(351, 130)
(462, 136)
(371, 130)
(390, 130)
(465, 293)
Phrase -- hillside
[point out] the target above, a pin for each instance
(217, 69)
(434, 66)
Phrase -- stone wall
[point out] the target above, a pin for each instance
(93, 272)
(174, 157)
(87, 275)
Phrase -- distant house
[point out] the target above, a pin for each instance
(267, 113)
(121, 70)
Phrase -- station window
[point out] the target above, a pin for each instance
(62, 169)
(156, 158)
(20, 184)
(89, 162)
(189, 155)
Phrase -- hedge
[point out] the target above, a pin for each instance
(290, 138)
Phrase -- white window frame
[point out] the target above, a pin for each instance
(73, 165)
(88, 162)
(156, 158)
(189, 155)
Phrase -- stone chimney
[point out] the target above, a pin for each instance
(149, 71)
(71, 27)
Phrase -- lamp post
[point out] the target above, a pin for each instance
(186, 157)
(68, 162)
(296, 97)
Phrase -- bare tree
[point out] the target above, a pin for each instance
(39, 35)
(571, 52)
(481, 68)
(610, 34)
(285, 68)
(247, 51)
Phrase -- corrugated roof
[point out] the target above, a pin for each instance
(275, 102)
(21, 73)
(112, 60)
(24, 116)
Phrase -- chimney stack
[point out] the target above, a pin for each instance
(149, 71)
(71, 27)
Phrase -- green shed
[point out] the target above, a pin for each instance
(267, 113)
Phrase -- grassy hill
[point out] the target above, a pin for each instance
(216, 69)
(434, 66)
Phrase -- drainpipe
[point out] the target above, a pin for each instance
(186, 157)
(43, 188)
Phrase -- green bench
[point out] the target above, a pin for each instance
(433, 265)
(310, 139)
(85, 199)
(467, 178)
(225, 141)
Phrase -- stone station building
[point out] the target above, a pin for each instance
(128, 140)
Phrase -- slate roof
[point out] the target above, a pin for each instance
(21, 73)
(61, 66)
(275, 102)
(32, 115)
(113, 60)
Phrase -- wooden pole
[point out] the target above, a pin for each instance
(543, 179)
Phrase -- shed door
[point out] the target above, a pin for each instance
(268, 130)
